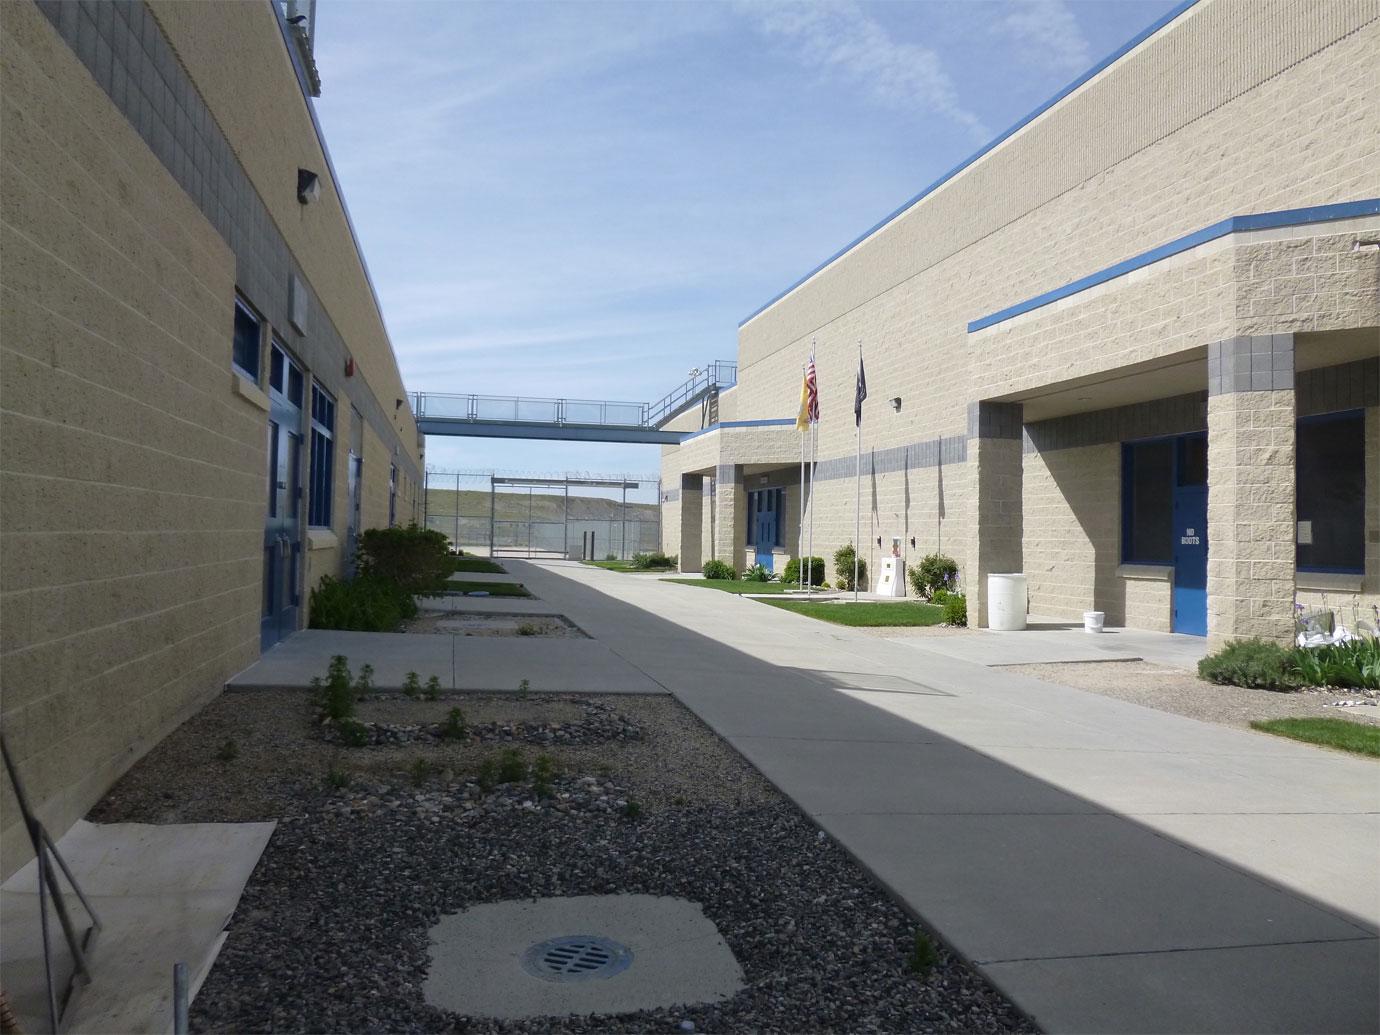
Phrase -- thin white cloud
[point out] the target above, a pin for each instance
(1047, 35)
(842, 40)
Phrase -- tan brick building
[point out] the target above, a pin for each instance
(1135, 343)
(199, 403)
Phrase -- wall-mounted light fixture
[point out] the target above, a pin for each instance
(879, 540)
(308, 186)
(896, 404)
(397, 405)
(912, 542)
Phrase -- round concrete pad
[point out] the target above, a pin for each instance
(678, 957)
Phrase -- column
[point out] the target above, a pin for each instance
(994, 451)
(1251, 507)
(691, 521)
(730, 515)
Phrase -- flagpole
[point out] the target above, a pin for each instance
(814, 444)
(800, 536)
(857, 491)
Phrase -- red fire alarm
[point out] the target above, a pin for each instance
(349, 366)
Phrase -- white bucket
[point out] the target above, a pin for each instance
(1092, 621)
(1006, 602)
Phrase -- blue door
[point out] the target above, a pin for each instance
(1190, 535)
(766, 515)
(283, 529)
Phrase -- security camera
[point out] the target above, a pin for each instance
(896, 404)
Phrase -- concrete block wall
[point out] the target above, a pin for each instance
(137, 196)
(133, 474)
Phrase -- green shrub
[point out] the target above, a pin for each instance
(610, 556)
(364, 682)
(940, 595)
(365, 603)
(815, 569)
(1252, 663)
(935, 573)
(412, 685)
(433, 688)
(757, 573)
(718, 570)
(923, 955)
(652, 561)
(632, 812)
(843, 569)
(423, 769)
(955, 609)
(487, 777)
(511, 767)
(1355, 663)
(455, 727)
(229, 751)
(415, 559)
(353, 733)
(336, 778)
(334, 695)
(543, 773)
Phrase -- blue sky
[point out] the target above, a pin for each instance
(584, 199)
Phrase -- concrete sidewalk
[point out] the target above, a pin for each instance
(1110, 867)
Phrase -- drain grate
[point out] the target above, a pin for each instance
(577, 957)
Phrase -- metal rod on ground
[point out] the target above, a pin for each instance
(180, 999)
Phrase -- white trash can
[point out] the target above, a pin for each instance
(1092, 621)
(1006, 601)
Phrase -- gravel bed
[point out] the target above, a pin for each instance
(1183, 693)
(597, 724)
(480, 623)
(331, 933)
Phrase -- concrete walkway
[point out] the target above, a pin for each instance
(1111, 868)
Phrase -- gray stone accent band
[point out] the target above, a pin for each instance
(1332, 389)
(1178, 415)
(994, 420)
(1251, 363)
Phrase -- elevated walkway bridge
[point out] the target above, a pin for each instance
(570, 420)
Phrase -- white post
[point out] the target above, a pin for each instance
(857, 511)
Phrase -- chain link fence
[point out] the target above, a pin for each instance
(526, 515)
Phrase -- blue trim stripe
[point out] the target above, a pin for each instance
(1235, 224)
(774, 422)
(1119, 53)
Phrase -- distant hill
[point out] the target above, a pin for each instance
(514, 506)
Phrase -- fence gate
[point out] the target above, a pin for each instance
(544, 517)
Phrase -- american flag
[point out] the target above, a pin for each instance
(811, 392)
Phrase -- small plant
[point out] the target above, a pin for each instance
(1252, 663)
(336, 779)
(229, 751)
(487, 777)
(934, 574)
(433, 688)
(335, 696)
(955, 609)
(814, 569)
(412, 559)
(543, 773)
(652, 561)
(923, 955)
(757, 573)
(511, 767)
(353, 733)
(423, 769)
(364, 682)
(529, 629)
(412, 685)
(610, 556)
(523, 688)
(718, 570)
(365, 603)
(454, 728)
(843, 569)
(632, 812)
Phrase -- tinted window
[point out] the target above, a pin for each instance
(1147, 491)
(1330, 474)
(246, 347)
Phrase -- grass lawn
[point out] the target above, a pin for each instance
(476, 564)
(621, 566)
(735, 585)
(494, 589)
(1358, 737)
(864, 613)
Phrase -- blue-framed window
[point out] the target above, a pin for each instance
(322, 457)
(392, 495)
(247, 342)
(1330, 482)
(1147, 501)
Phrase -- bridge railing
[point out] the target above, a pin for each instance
(518, 409)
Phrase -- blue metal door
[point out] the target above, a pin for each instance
(767, 517)
(283, 528)
(1190, 536)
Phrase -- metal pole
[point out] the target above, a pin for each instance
(180, 1026)
(492, 517)
(801, 574)
(457, 510)
(623, 518)
(529, 522)
(857, 507)
(565, 522)
(659, 504)
(814, 442)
